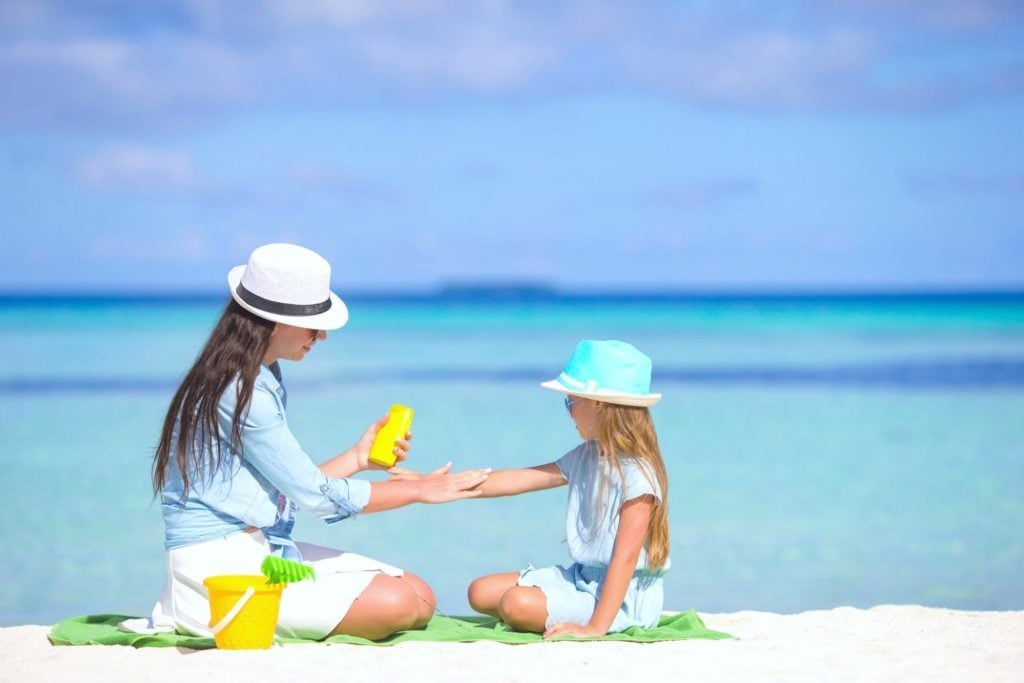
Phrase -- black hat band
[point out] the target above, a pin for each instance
(278, 308)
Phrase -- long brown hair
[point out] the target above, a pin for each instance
(628, 431)
(233, 353)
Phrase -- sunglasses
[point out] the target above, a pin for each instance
(569, 403)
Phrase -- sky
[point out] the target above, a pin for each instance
(629, 145)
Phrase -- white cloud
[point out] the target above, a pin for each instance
(352, 13)
(23, 15)
(480, 58)
(184, 246)
(98, 57)
(423, 44)
(966, 15)
(328, 181)
(121, 81)
(96, 69)
(770, 68)
(137, 168)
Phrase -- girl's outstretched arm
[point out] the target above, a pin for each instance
(634, 519)
(437, 487)
(521, 480)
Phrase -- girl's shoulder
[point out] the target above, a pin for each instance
(571, 460)
(631, 462)
(638, 477)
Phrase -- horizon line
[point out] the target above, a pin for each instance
(526, 291)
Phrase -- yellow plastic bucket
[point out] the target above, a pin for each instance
(243, 610)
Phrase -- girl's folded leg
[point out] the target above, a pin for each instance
(485, 593)
(524, 608)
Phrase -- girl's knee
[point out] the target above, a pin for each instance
(513, 603)
(479, 595)
(485, 592)
(523, 607)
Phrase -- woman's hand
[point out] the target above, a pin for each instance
(402, 474)
(365, 443)
(441, 487)
(575, 630)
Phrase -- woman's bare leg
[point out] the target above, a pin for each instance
(388, 604)
(425, 599)
(486, 592)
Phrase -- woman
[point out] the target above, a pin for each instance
(231, 475)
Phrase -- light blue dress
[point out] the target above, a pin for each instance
(590, 526)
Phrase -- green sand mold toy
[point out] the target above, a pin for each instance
(280, 570)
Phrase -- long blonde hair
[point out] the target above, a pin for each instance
(628, 431)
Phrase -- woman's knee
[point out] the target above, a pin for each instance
(399, 605)
(387, 605)
(425, 599)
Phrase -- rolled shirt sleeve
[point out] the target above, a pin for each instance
(269, 447)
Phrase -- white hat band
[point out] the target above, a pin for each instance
(589, 386)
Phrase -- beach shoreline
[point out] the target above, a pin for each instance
(883, 643)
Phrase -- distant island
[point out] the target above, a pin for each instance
(496, 291)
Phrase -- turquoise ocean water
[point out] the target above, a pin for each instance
(822, 451)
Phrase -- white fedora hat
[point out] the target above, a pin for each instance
(289, 284)
(611, 371)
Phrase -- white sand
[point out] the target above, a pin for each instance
(886, 643)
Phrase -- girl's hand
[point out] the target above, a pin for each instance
(362, 448)
(575, 630)
(441, 487)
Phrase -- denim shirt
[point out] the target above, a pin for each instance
(262, 484)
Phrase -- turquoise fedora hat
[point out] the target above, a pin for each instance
(609, 371)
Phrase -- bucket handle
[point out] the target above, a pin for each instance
(233, 612)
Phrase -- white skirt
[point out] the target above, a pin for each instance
(309, 609)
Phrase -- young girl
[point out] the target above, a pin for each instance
(231, 476)
(617, 520)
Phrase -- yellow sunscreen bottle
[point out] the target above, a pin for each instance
(383, 450)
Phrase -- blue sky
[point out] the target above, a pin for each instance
(629, 145)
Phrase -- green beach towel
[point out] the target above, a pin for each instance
(101, 629)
